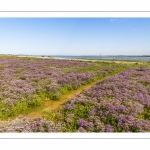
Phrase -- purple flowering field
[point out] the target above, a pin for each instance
(26, 82)
(120, 103)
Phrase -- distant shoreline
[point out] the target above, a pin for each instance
(25, 55)
(121, 58)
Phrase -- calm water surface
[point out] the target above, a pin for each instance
(107, 57)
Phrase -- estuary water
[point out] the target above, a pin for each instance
(133, 58)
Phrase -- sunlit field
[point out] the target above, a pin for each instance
(58, 95)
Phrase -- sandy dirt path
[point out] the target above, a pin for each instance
(103, 60)
(50, 105)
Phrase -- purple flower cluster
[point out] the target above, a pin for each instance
(75, 79)
(27, 125)
(116, 104)
(22, 79)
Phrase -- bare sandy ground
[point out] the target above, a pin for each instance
(102, 60)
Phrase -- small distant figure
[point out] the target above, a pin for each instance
(114, 58)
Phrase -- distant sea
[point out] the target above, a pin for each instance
(136, 58)
(103, 57)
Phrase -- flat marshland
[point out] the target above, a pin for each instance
(75, 95)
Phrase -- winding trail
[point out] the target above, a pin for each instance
(51, 105)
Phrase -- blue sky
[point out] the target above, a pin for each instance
(75, 36)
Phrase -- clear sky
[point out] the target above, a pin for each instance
(75, 36)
